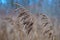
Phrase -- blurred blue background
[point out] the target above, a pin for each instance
(49, 7)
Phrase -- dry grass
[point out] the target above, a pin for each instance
(26, 26)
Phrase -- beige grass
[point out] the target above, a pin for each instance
(27, 26)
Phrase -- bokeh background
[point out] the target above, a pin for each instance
(49, 7)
